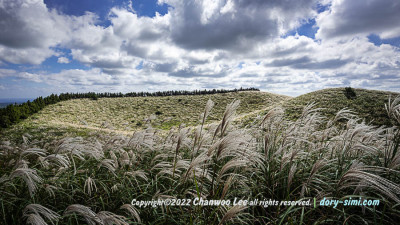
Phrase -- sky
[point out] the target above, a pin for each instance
(286, 47)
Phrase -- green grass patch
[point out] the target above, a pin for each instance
(367, 104)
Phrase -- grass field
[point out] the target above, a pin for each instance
(84, 161)
(135, 113)
(368, 104)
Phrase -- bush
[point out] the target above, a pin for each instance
(350, 93)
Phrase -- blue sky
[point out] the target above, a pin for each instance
(283, 47)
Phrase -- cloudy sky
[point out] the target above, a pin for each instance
(282, 46)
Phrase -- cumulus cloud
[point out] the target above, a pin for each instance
(233, 24)
(207, 44)
(63, 60)
(348, 18)
(29, 30)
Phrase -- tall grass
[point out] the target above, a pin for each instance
(92, 180)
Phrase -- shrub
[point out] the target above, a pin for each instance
(350, 93)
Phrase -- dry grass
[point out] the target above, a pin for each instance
(135, 113)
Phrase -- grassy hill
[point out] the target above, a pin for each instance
(135, 113)
(128, 114)
(367, 104)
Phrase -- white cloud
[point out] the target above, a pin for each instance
(194, 46)
(293, 65)
(7, 73)
(64, 60)
(29, 30)
(360, 17)
(233, 24)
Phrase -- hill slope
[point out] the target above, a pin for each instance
(133, 113)
(128, 114)
(368, 104)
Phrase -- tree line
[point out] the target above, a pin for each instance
(14, 113)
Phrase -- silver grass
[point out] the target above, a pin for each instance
(162, 165)
(79, 148)
(197, 136)
(203, 117)
(132, 211)
(138, 173)
(4, 178)
(180, 141)
(227, 143)
(113, 143)
(254, 157)
(266, 146)
(35, 219)
(394, 162)
(29, 176)
(33, 151)
(232, 212)
(309, 109)
(366, 148)
(124, 159)
(58, 159)
(173, 170)
(232, 164)
(199, 140)
(6, 148)
(197, 163)
(318, 165)
(67, 144)
(291, 156)
(271, 114)
(396, 116)
(37, 214)
(109, 218)
(207, 110)
(392, 106)
(109, 164)
(358, 175)
(182, 164)
(227, 117)
(90, 186)
(50, 189)
(21, 163)
(142, 139)
(243, 182)
(115, 187)
(5, 143)
(291, 174)
(45, 164)
(25, 139)
(227, 185)
(193, 192)
(90, 217)
(346, 114)
(161, 157)
(132, 156)
(114, 159)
